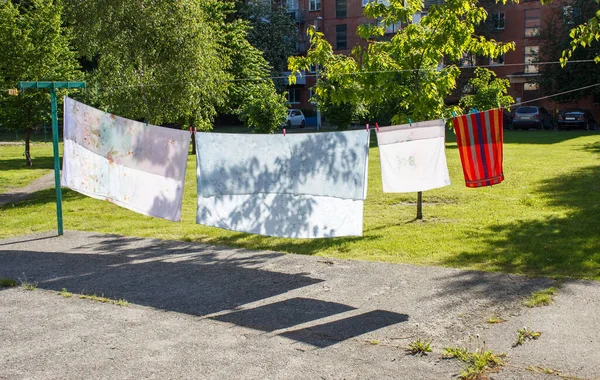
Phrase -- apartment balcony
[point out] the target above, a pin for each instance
(300, 79)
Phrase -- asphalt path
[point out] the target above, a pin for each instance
(206, 312)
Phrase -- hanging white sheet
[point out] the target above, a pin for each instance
(139, 167)
(299, 185)
(413, 157)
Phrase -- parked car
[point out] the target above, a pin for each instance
(532, 117)
(576, 118)
(295, 118)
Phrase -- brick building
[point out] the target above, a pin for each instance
(522, 23)
(518, 23)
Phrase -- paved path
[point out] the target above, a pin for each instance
(17, 195)
(204, 312)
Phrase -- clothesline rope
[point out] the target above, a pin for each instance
(358, 73)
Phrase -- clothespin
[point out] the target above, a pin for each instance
(409, 122)
(283, 129)
(195, 130)
(377, 127)
(146, 122)
(453, 114)
(191, 130)
(367, 127)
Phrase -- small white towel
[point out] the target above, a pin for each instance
(413, 157)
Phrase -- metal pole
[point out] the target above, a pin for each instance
(420, 205)
(56, 161)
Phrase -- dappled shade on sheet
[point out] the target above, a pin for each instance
(299, 186)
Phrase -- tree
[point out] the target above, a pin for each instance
(489, 92)
(156, 60)
(252, 96)
(556, 39)
(583, 35)
(405, 75)
(35, 47)
(174, 62)
(272, 31)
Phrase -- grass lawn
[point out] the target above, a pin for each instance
(544, 219)
(14, 171)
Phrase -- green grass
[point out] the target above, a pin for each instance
(525, 334)
(102, 299)
(14, 172)
(7, 282)
(542, 220)
(541, 298)
(477, 363)
(419, 347)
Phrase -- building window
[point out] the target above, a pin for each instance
(497, 61)
(293, 95)
(365, 2)
(417, 17)
(391, 29)
(468, 60)
(530, 86)
(531, 55)
(532, 22)
(498, 20)
(314, 5)
(341, 36)
(340, 8)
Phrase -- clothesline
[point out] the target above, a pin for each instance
(358, 73)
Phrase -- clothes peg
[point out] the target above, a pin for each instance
(453, 114)
(377, 127)
(367, 127)
(409, 122)
(191, 131)
(283, 132)
(195, 130)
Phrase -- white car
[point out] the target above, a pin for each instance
(295, 118)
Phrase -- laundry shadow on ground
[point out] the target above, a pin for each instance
(191, 279)
(566, 245)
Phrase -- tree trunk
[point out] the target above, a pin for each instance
(27, 151)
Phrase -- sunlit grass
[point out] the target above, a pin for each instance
(14, 172)
(542, 220)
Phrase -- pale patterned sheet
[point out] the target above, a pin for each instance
(299, 185)
(139, 167)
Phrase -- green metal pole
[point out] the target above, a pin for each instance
(56, 161)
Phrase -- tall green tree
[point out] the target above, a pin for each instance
(35, 47)
(272, 31)
(556, 39)
(252, 95)
(488, 92)
(404, 76)
(157, 60)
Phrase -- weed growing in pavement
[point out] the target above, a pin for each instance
(7, 282)
(94, 297)
(478, 362)
(28, 285)
(65, 294)
(419, 347)
(541, 298)
(102, 299)
(526, 334)
(495, 319)
(551, 371)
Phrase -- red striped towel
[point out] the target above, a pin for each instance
(479, 137)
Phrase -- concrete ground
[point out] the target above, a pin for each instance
(205, 312)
